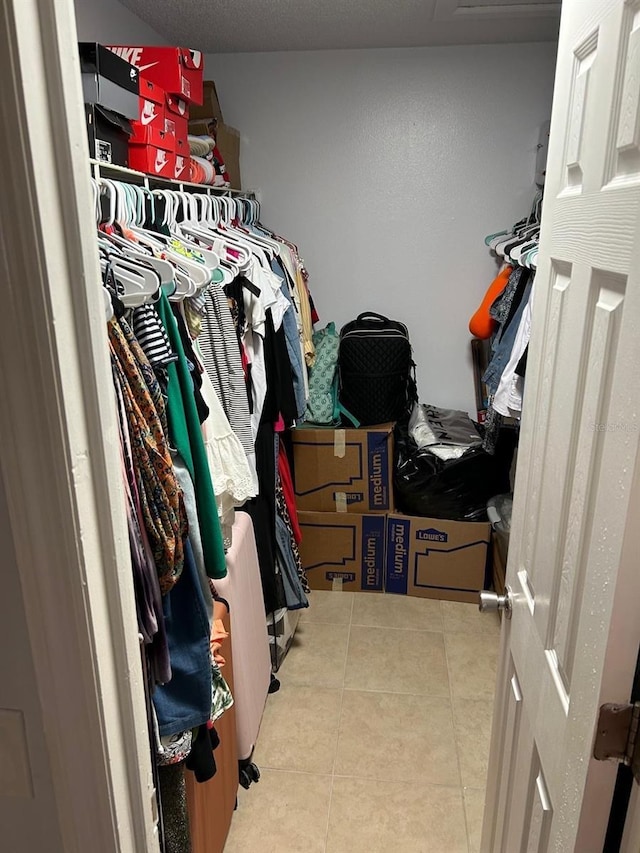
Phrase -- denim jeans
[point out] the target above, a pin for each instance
(502, 352)
(293, 342)
(294, 594)
(185, 701)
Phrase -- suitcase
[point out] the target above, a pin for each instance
(242, 588)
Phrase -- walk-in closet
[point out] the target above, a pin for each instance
(320, 426)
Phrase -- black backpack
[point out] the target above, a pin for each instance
(377, 373)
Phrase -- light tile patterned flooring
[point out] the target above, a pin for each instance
(379, 736)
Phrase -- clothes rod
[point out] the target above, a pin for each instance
(130, 176)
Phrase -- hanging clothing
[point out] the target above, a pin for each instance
(220, 355)
(145, 578)
(262, 510)
(192, 362)
(184, 429)
(286, 481)
(293, 342)
(507, 400)
(295, 597)
(508, 332)
(151, 336)
(160, 496)
(185, 701)
(186, 484)
(233, 481)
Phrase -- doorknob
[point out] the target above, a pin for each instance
(491, 602)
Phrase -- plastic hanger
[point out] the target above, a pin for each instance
(138, 285)
(133, 252)
(208, 229)
(184, 287)
(210, 258)
(141, 285)
(108, 304)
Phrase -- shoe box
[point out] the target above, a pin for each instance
(108, 80)
(151, 150)
(177, 70)
(108, 134)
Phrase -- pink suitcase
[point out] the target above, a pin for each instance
(251, 659)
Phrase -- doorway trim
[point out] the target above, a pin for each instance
(60, 459)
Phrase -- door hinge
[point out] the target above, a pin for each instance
(617, 735)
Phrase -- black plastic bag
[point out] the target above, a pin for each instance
(457, 489)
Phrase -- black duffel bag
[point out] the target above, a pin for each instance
(377, 373)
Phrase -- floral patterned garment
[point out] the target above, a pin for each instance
(161, 499)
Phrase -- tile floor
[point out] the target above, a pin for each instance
(378, 738)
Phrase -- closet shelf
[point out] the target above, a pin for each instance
(109, 170)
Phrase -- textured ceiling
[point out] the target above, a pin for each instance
(234, 26)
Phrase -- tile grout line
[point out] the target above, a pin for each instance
(335, 755)
(377, 627)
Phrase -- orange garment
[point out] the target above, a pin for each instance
(218, 632)
(482, 324)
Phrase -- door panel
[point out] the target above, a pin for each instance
(572, 642)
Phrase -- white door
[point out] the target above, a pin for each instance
(574, 562)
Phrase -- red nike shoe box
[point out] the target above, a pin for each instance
(151, 110)
(147, 134)
(182, 170)
(176, 116)
(181, 147)
(176, 69)
(152, 160)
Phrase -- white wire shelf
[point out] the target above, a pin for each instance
(131, 176)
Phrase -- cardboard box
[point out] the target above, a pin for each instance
(108, 134)
(436, 558)
(344, 470)
(108, 80)
(341, 551)
(177, 70)
(210, 108)
(228, 142)
(151, 105)
(499, 548)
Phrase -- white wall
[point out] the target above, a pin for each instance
(389, 167)
(108, 21)
(27, 822)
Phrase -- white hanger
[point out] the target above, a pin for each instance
(207, 229)
(141, 285)
(108, 304)
(132, 251)
(184, 287)
(190, 209)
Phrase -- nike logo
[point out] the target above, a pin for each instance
(149, 113)
(196, 57)
(150, 65)
(161, 161)
(180, 166)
